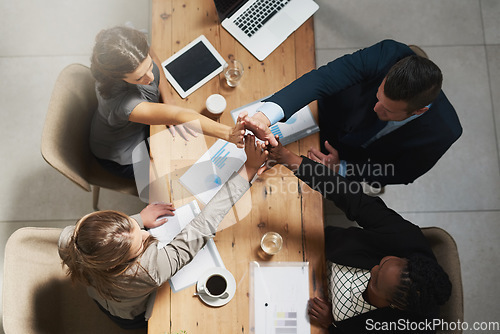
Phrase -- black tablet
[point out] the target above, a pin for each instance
(193, 66)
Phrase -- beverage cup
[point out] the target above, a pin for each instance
(216, 104)
(233, 71)
(271, 243)
(215, 286)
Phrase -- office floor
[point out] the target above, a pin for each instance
(460, 194)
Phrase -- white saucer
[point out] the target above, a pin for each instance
(231, 286)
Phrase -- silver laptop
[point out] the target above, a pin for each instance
(262, 25)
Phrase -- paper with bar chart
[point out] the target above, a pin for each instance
(300, 125)
(213, 169)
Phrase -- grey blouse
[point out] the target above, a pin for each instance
(112, 135)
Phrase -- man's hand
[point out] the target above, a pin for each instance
(152, 212)
(331, 160)
(320, 311)
(259, 125)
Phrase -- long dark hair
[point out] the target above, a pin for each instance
(98, 253)
(117, 52)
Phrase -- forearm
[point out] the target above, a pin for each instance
(367, 211)
(290, 160)
(347, 195)
(204, 125)
(168, 114)
(195, 235)
(284, 157)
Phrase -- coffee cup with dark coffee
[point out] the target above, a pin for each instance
(215, 286)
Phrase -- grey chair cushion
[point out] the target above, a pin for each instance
(444, 247)
(65, 137)
(38, 297)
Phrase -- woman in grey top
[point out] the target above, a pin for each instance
(133, 93)
(119, 261)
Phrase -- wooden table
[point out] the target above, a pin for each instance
(277, 200)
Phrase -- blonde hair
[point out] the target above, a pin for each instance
(98, 253)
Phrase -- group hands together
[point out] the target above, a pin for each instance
(279, 154)
(262, 132)
(260, 157)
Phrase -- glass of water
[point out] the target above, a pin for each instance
(233, 71)
(271, 243)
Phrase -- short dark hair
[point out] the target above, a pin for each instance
(415, 80)
(423, 287)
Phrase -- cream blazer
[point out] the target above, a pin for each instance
(156, 266)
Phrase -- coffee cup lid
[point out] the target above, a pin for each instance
(216, 103)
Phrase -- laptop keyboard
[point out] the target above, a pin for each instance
(252, 19)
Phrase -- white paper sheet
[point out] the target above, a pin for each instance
(279, 293)
(213, 169)
(208, 257)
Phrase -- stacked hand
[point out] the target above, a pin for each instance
(257, 155)
(259, 128)
(237, 134)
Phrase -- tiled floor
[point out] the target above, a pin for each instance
(461, 193)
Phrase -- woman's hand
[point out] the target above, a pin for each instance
(280, 155)
(256, 157)
(320, 311)
(237, 133)
(152, 212)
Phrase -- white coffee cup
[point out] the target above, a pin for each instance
(216, 104)
(215, 286)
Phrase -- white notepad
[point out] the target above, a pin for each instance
(208, 257)
(279, 294)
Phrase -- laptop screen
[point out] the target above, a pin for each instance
(226, 8)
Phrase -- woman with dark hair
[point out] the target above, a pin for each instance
(133, 93)
(382, 277)
(119, 262)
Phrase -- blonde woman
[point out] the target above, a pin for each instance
(119, 262)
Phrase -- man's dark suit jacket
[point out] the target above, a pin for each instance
(346, 91)
(384, 233)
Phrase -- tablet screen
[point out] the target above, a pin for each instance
(193, 66)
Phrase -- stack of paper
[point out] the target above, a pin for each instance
(208, 257)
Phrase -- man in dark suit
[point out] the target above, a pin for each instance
(382, 114)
